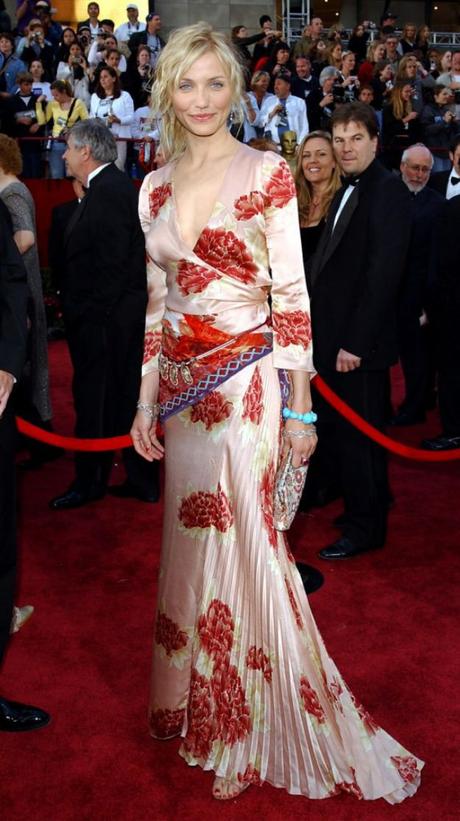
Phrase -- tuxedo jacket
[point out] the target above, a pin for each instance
(420, 273)
(440, 181)
(356, 272)
(61, 216)
(13, 300)
(104, 254)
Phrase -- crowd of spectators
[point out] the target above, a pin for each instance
(51, 77)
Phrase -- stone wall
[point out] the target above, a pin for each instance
(221, 15)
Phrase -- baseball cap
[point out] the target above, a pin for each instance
(152, 15)
(132, 6)
(42, 4)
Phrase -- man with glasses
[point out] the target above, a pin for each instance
(415, 335)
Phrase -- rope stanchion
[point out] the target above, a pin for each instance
(398, 448)
(120, 442)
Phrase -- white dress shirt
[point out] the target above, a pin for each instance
(95, 172)
(296, 113)
(343, 202)
(126, 30)
(452, 190)
(122, 107)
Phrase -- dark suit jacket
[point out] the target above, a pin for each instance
(60, 218)
(13, 300)
(105, 271)
(140, 38)
(420, 272)
(439, 181)
(356, 272)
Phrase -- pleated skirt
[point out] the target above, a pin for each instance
(240, 670)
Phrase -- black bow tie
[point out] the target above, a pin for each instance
(351, 180)
(454, 180)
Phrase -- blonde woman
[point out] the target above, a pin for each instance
(240, 670)
(317, 179)
(64, 111)
(399, 124)
(334, 55)
(375, 53)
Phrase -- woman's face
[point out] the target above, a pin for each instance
(411, 68)
(359, 31)
(59, 96)
(386, 74)
(348, 62)
(379, 52)
(317, 160)
(202, 99)
(107, 82)
(262, 83)
(143, 58)
(337, 52)
(75, 50)
(5, 46)
(109, 42)
(282, 56)
(446, 61)
(442, 97)
(68, 37)
(409, 33)
(36, 70)
(406, 93)
(113, 60)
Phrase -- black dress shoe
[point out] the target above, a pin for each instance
(441, 442)
(74, 498)
(17, 718)
(403, 418)
(129, 491)
(342, 549)
(36, 461)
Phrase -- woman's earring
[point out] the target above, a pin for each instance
(231, 116)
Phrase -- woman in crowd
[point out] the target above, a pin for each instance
(116, 108)
(350, 82)
(317, 179)
(279, 61)
(139, 77)
(240, 670)
(63, 112)
(318, 57)
(258, 95)
(411, 71)
(39, 86)
(400, 124)
(439, 127)
(34, 388)
(358, 42)
(382, 83)
(334, 55)
(375, 52)
(408, 38)
(446, 62)
(74, 69)
(62, 52)
(422, 42)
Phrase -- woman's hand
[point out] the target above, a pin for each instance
(303, 447)
(112, 118)
(143, 434)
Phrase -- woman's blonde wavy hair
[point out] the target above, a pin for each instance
(304, 188)
(185, 45)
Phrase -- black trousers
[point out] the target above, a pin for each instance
(416, 353)
(347, 458)
(7, 525)
(107, 369)
(449, 373)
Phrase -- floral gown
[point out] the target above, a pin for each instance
(240, 669)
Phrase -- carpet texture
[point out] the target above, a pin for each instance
(388, 619)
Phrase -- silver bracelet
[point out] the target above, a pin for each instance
(150, 410)
(300, 434)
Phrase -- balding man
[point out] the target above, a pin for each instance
(415, 339)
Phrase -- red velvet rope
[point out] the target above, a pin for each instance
(119, 442)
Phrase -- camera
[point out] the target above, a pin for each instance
(36, 36)
(338, 93)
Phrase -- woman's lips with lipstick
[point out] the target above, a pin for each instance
(202, 118)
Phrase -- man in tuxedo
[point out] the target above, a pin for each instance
(14, 716)
(355, 277)
(288, 114)
(104, 297)
(447, 183)
(303, 82)
(415, 338)
(447, 330)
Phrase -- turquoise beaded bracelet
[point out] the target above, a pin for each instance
(307, 418)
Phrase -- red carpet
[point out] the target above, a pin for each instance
(388, 619)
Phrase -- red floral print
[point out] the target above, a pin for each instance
(152, 345)
(267, 487)
(280, 189)
(370, 725)
(167, 634)
(334, 690)
(310, 700)
(200, 729)
(406, 766)
(252, 399)
(223, 251)
(351, 788)
(294, 605)
(214, 408)
(193, 279)
(205, 509)
(232, 716)
(215, 630)
(158, 197)
(257, 660)
(292, 328)
(250, 776)
(249, 205)
(166, 723)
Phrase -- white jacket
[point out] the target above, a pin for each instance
(122, 107)
(296, 111)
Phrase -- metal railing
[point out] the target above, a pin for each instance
(294, 24)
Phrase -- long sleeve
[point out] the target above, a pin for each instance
(13, 301)
(292, 345)
(123, 108)
(156, 287)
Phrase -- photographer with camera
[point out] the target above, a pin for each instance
(321, 104)
(34, 47)
(92, 23)
(99, 50)
(139, 77)
(439, 127)
(288, 113)
(63, 113)
(75, 70)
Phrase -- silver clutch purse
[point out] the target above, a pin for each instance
(289, 485)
